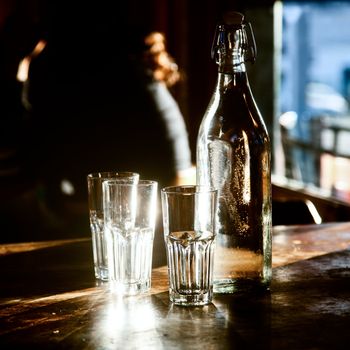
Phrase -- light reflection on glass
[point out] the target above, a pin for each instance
(247, 175)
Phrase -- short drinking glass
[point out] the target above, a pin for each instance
(189, 233)
(94, 181)
(130, 216)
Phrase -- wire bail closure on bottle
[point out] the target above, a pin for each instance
(233, 34)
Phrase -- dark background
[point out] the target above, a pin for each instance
(88, 44)
(97, 33)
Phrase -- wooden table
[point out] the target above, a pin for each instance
(49, 299)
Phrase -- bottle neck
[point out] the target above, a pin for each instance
(232, 62)
(232, 74)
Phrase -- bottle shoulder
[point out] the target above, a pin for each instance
(227, 115)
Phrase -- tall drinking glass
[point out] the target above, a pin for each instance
(94, 181)
(189, 233)
(129, 225)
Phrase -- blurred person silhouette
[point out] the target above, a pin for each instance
(138, 126)
(161, 73)
(96, 97)
(100, 110)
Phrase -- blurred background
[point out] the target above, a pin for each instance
(62, 68)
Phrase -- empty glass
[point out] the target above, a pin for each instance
(94, 181)
(189, 233)
(129, 224)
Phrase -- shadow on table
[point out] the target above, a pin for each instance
(47, 271)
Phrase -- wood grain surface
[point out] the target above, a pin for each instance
(49, 299)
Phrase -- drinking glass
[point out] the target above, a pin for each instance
(129, 225)
(189, 233)
(94, 181)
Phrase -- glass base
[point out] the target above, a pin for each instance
(240, 285)
(101, 273)
(190, 298)
(124, 288)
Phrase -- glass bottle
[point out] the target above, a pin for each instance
(234, 156)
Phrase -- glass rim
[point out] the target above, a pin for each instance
(109, 174)
(141, 182)
(188, 189)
